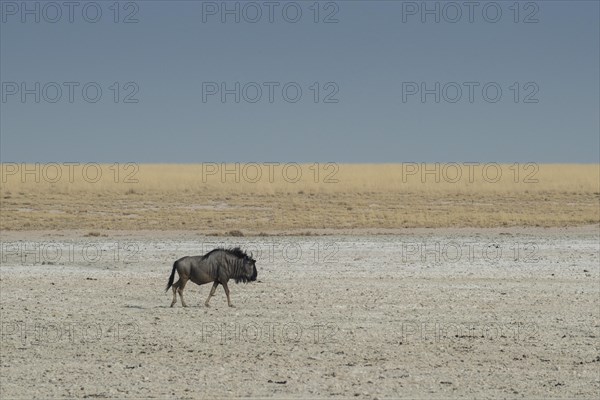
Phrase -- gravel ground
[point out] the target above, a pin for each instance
(440, 313)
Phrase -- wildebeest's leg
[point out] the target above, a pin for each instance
(227, 293)
(212, 292)
(175, 286)
(182, 282)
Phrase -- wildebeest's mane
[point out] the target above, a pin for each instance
(234, 251)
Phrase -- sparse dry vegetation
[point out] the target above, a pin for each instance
(254, 198)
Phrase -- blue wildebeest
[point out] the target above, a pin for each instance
(217, 266)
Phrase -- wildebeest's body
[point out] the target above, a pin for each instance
(217, 266)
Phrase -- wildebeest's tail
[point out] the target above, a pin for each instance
(172, 277)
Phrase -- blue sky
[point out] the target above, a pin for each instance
(362, 69)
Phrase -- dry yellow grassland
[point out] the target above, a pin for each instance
(252, 198)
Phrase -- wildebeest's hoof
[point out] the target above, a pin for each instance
(206, 305)
(231, 305)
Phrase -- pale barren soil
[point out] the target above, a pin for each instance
(442, 313)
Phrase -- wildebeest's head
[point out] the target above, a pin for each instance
(249, 272)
